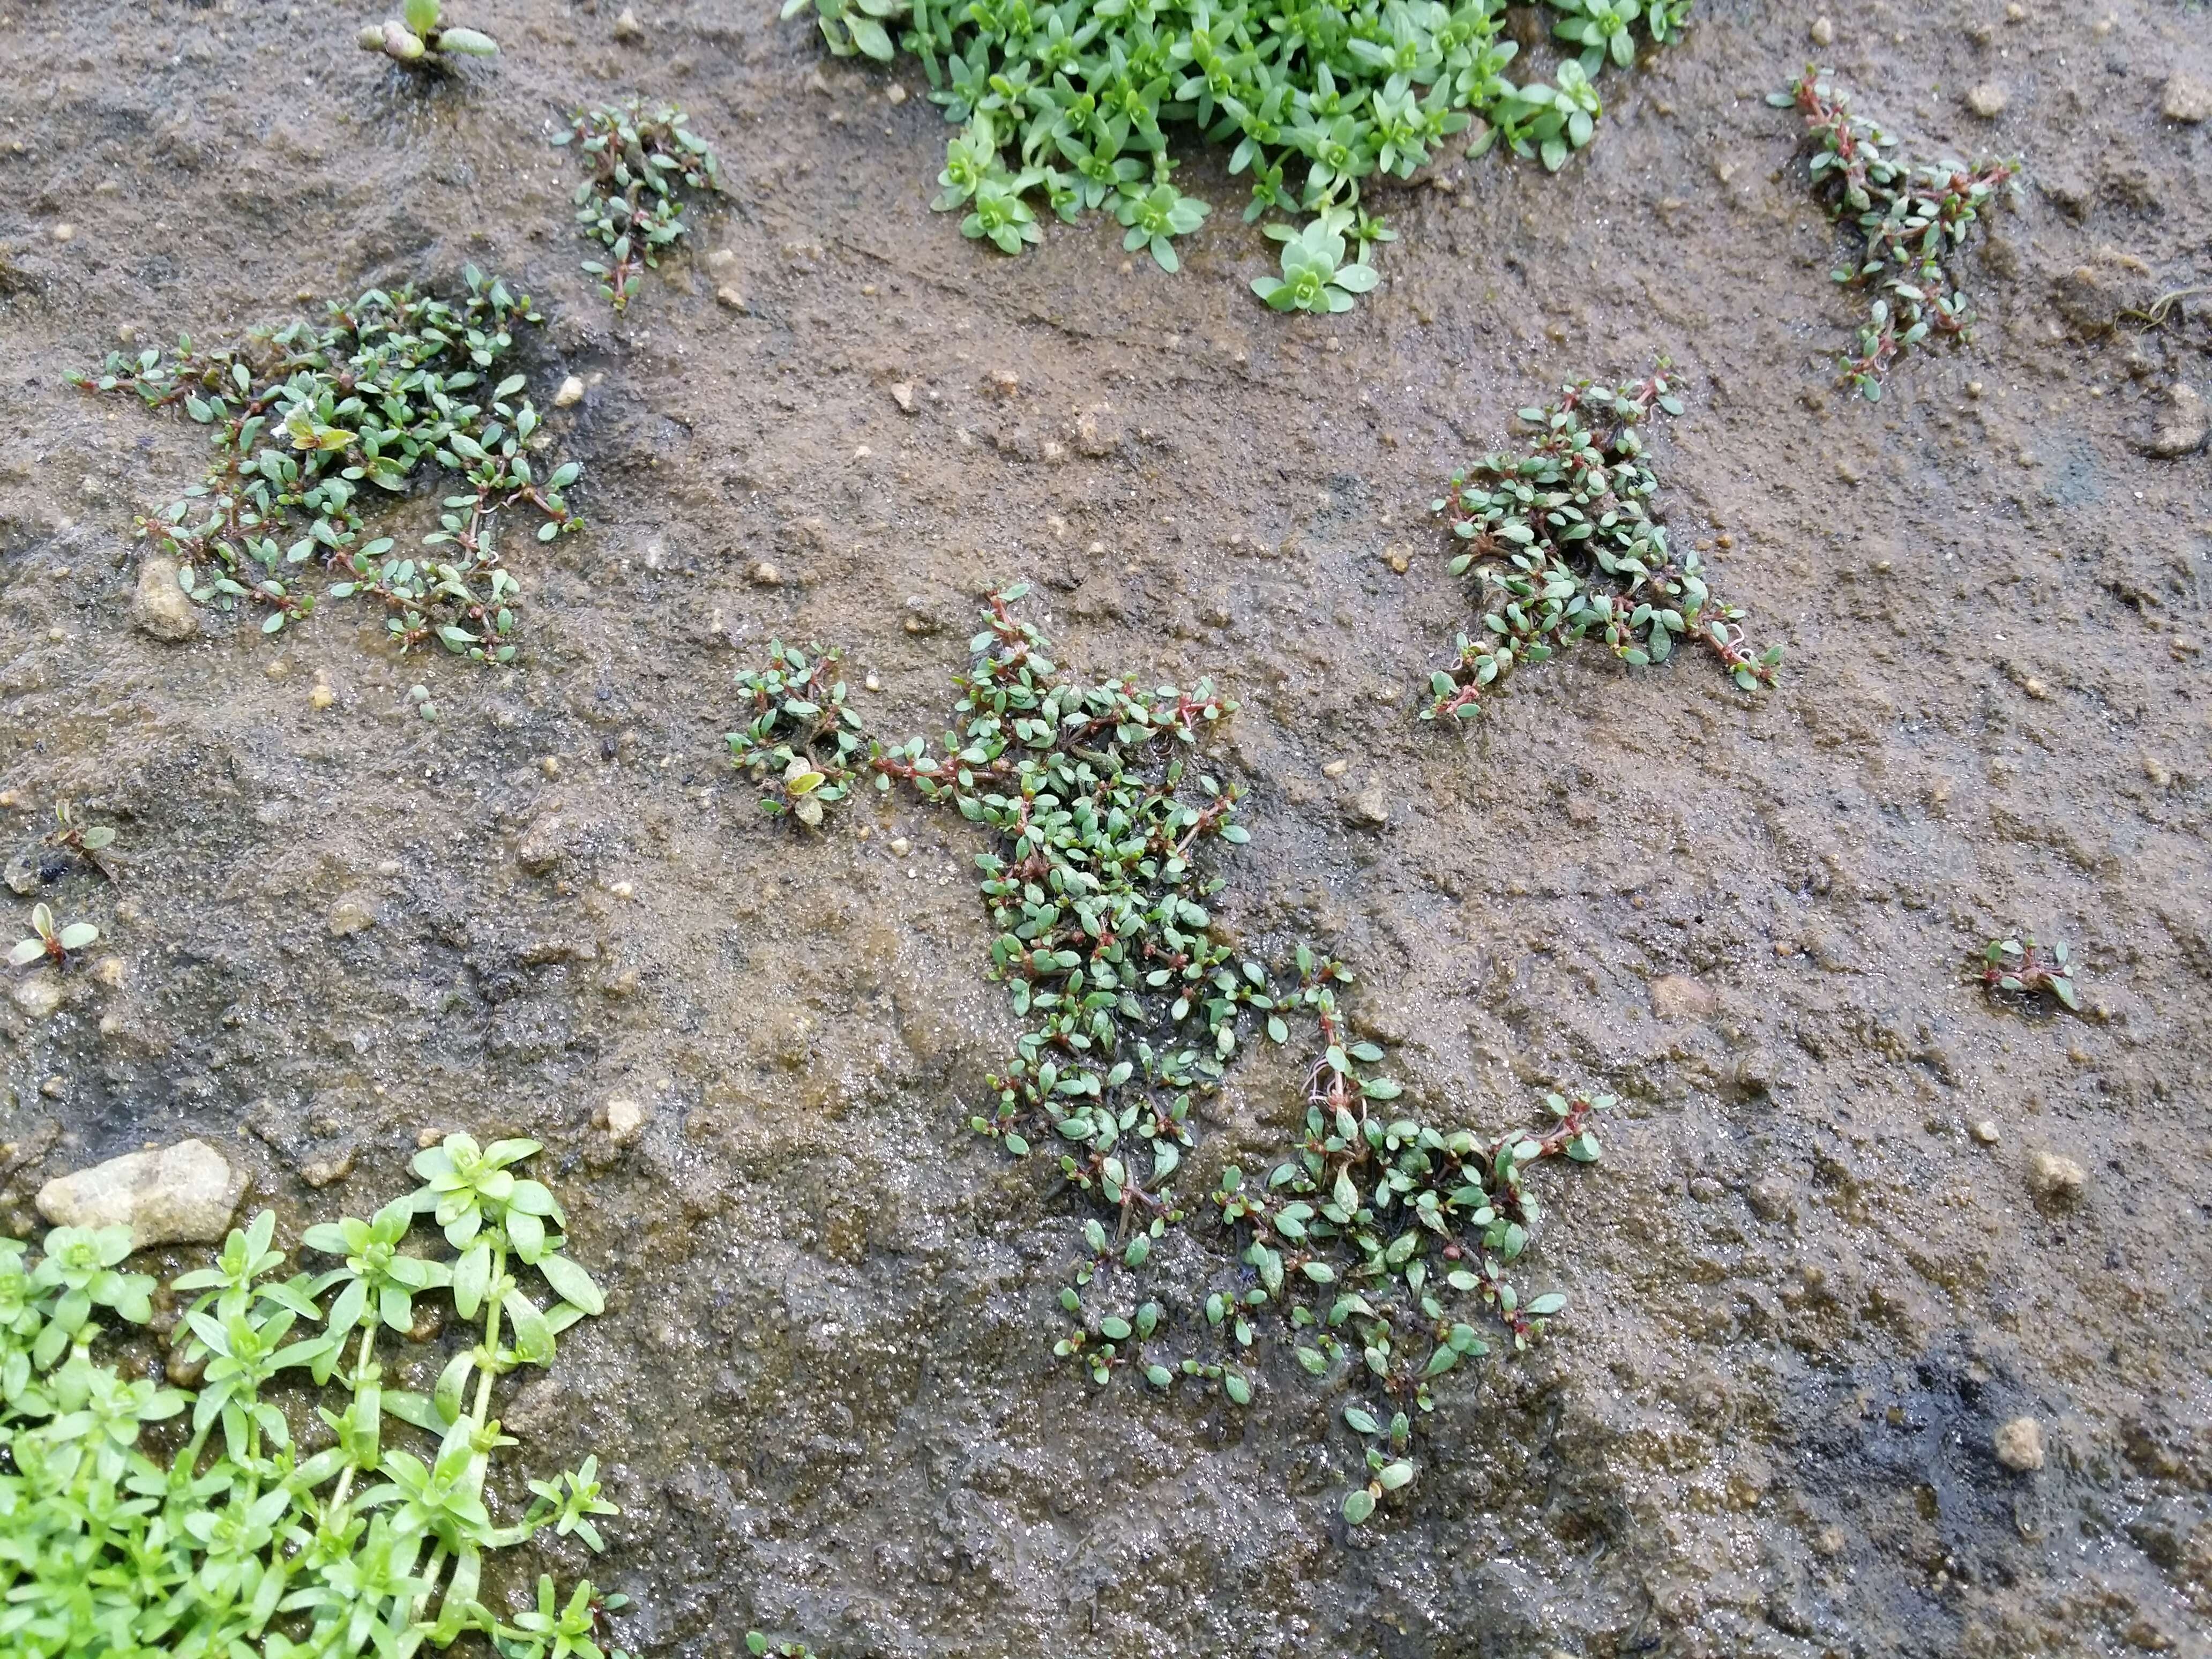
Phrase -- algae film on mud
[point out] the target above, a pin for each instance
(1381, 1249)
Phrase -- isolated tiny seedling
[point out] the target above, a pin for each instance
(303, 419)
(2023, 965)
(1560, 540)
(639, 157)
(1071, 109)
(423, 41)
(50, 941)
(1910, 223)
(89, 841)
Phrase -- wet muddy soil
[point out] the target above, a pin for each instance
(1806, 1291)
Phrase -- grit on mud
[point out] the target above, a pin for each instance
(1815, 1281)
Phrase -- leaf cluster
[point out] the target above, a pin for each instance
(639, 159)
(1104, 820)
(304, 417)
(137, 1518)
(1909, 222)
(420, 40)
(1071, 105)
(1560, 541)
(50, 941)
(2021, 965)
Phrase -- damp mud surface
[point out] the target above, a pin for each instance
(1807, 1287)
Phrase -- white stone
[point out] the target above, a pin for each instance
(181, 1195)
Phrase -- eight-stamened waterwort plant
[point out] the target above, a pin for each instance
(638, 157)
(1911, 223)
(1070, 105)
(305, 418)
(1377, 1242)
(1561, 542)
(137, 1519)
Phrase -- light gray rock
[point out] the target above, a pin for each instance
(2018, 1445)
(2188, 422)
(161, 608)
(181, 1195)
(1988, 100)
(2187, 98)
(39, 995)
(349, 915)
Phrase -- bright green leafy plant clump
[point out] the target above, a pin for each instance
(422, 39)
(1071, 105)
(1560, 541)
(304, 417)
(139, 1519)
(1911, 221)
(1375, 1241)
(638, 156)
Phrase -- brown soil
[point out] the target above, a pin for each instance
(1805, 1295)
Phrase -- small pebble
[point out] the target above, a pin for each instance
(1986, 1131)
(895, 95)
(625, 1121)
(2060, 1179)
(622, 889)
(571, 392)
(321, 696)
(903, 395)
(729, 297)
(1988, 100)
(1823, 33)
(627, 27)
(1336, 768)
(551, 766)
(108, 970)
(901, 847)
(765, 574)
(2019, 1445)
(64, 232)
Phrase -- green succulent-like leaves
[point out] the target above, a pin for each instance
(1075, 106)
(1314, 276)
(236, 1543)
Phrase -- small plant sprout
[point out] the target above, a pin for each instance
(1376, 1243)
(388, 392)
(1909, 222)
(49, 942)
(1316, 276)
(421, 41)
(638, 156)
(142, 1518)
(88, 842)
(2023, 966)
(1560, 540)
(1074, 108)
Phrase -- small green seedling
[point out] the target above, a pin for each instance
(51, 942)
(638, 157)
(89, 842)
(421, 40)
(2023, 965)
(1316, 276)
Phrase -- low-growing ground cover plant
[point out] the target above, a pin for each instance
(2020, 965)
(639, 157)
(1071, 108)
(1379, 1247)
(1560, 541)
(422, 39)
(137, 1518)
(1908, 224)
(50, 941)
(386, 391)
